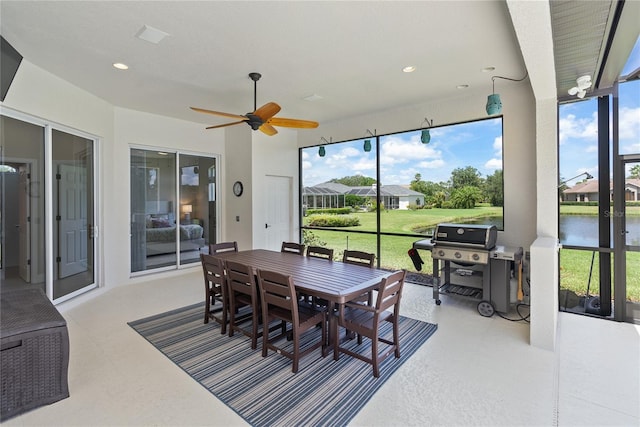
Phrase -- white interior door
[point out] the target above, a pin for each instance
(73, 220)
(279, 211)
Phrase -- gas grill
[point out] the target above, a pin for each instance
(470, 257)
(463, 243)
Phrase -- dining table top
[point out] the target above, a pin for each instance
(334, 281)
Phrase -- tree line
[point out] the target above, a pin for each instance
(465, 188)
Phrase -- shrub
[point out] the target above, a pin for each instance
(337, 211)
(319, 220)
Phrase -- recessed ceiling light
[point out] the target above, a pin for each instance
(121, 66)
(409, 69)
(488, 69)
(150, 34)
(312, 98)
(462, 86)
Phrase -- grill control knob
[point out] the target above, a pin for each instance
(458, 255)
(475, 257)
(440, 252)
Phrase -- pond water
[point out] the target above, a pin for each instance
(582, 230)
(575, 230)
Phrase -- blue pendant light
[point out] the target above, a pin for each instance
(425, 135)
(321, 150)
(494, 104)
(367, 142)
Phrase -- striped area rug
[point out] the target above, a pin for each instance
(264, 391)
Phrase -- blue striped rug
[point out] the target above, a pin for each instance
(264, 391)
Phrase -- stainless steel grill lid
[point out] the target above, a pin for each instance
(466, 235)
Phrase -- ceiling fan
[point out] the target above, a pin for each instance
(261, 118)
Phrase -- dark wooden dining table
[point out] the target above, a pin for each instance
(333, 281)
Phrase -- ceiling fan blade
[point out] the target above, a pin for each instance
(292, 123)
(267, 111)
(218, 113)
(268, 129)
(224, 125)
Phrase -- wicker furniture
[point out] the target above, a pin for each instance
(34, 356)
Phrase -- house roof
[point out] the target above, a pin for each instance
(591, 186)
(332, 188)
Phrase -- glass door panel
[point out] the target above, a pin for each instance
(153, 210)
(22, 203)
(627, 217)
(197, 206)
(73, 207)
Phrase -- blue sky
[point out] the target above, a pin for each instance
(477, 144)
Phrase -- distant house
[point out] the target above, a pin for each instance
(332, 195)
(587, 191)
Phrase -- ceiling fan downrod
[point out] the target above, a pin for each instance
(255, 77)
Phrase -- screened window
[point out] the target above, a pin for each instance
(380, 194)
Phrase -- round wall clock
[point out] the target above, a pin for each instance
(237, 188)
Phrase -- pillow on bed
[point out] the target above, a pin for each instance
(160, 223)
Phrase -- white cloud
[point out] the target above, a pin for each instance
(494, 164)
(591, 148)
(432, 164)
(572, 127)
(497, 145)
(395, 150)
(630, 124)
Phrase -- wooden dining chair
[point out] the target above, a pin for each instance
(243, 291)
(216, 248)
(292, 248)
(215, 287)
(366, 321)
(320, 252)
(279, 302)
(360, 258)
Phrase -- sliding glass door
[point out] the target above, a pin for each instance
(173, 208)
(47, 208)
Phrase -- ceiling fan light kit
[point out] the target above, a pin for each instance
(261, 118)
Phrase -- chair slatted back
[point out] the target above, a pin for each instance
(240, 279)
(216, 248)
(278, 290)
(320, 252)
(292, 247)
(358, 258)
(213, 269)
(390, 292)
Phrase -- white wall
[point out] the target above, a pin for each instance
(276, 156)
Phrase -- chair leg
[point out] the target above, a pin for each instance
(207, 307)
(296, 351)
(396, 334)
(254, 331)
(223, 327)
(232, 317)
(374, 355)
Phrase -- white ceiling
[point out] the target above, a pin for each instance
(350, 53)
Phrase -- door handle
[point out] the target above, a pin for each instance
(267, 226)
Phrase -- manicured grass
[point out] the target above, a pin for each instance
(574, 264)
(405, 221)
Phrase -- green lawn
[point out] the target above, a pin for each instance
(574, 264)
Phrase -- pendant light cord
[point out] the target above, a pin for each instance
(493, 79)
